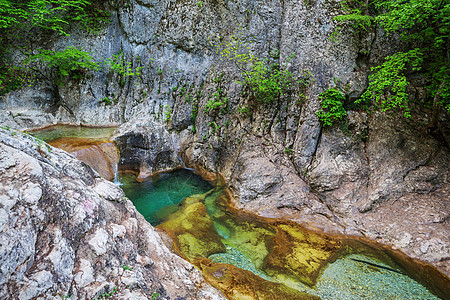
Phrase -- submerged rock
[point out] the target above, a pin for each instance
(241, 284)
(192, 230)
(382, 178)
(250, 257)
(65, 232)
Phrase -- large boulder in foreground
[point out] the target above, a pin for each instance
(65, 232)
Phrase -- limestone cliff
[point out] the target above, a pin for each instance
(383, 178)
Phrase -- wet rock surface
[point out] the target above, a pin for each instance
(66, 232)
(100, 155)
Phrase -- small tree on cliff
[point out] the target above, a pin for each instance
(424, 25)
(21, 21)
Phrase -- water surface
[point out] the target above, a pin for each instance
(54, 132)
(160, 195)
(249, 257)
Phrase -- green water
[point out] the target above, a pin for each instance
(66, 131)
(345, 278)
(159, 196)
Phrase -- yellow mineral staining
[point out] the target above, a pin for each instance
(288, 253)
(299, 254)
(192, 230)
(244, 285)
(249, 238)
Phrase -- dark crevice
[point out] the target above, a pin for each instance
(313, 156)
(427, 161)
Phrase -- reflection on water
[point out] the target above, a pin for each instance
(51, 133)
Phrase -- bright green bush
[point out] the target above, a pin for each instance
(70, 63)
(332, 103)
(387, 86)
(424, 26)
(218, 103)
(122, 67)
(266, 79)
(53, 15)
(19, 20)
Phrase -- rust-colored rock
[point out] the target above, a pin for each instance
(101, 155)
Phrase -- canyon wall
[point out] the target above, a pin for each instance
(380, 177)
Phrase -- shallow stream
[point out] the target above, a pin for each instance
(289, 262)
(250, 257)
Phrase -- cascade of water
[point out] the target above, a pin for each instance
(183, 165)
(116, 179)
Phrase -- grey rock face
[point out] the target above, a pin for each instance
(268, 185)
(279, 158)
(146, 147)
(64, 231)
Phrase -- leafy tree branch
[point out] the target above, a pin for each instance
(424, 26)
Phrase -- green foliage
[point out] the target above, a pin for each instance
(387, 86)
(332, 106)
(355, 20)
(167, 114)
(267, 80)
(12, 78)
(126, 268)
(245, 111)
(69, 63)
(214, 127)
(194, 114)
(107, 294)
(425, 24)
(53, 15)
(10, 14)
(155, 295)
(355, 17)
(20, 20)
(289, 151)
(122, 67)
(106, 100)
(218, 103)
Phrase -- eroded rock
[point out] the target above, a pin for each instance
(146, 147)
(64, 231)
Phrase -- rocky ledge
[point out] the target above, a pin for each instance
(66, 232)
